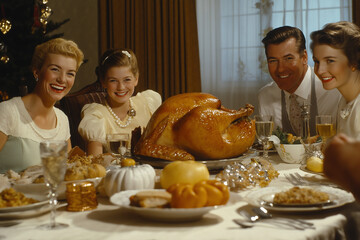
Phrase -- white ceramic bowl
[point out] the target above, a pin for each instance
(291, 153)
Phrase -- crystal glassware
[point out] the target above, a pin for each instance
(119, 145)
(264, 125)
(53, 157)
(325, 127)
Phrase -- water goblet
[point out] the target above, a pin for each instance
(53, 157)
(264, 125)
(119, 145)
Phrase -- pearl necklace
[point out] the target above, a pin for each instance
(131, 113)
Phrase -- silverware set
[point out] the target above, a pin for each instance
(297, 180)
(261, 217)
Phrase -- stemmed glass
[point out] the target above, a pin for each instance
(325, 127)
(264, 125)
(119, 144)
(53, 157)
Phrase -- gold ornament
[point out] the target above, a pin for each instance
(46, 12)
(5, 26)
(4, 59)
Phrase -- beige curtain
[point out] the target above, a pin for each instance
(163, 35)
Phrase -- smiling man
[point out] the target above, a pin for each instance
(294, 80)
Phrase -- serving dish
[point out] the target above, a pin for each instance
(42, 189)
(217, 164)
(264, 197)
(165, 214)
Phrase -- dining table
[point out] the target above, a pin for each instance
(112, 222)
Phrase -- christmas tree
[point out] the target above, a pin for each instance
(23, 24)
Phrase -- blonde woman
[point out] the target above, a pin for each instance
(27, 121)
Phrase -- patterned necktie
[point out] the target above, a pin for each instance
(295, 114)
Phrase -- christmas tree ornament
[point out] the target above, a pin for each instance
(5, 24)
(45, 14)
(4, 58)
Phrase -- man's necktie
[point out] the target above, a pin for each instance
(295, 114)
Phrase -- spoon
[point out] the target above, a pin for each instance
(252, 219)
(264, 214)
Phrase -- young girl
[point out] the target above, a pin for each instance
(336, 55)
(119, 74)
(27, 121)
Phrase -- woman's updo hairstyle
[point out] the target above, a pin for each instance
(117, 58)
(341, 35)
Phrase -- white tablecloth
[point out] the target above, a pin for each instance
(109, 222)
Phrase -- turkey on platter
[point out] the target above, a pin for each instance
(193, 126)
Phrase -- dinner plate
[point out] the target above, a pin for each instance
(264, 197)
(217, 164)
(42, 189)
(27, 210)
(305, 169)
(165, 214)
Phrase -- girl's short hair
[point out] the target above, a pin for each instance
(117, 58)
(56, 46)
(341, 35)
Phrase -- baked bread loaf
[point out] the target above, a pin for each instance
(151, 199)
(80, 172)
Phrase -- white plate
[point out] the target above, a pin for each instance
(27, 210)
(305, 169)
(30, 212)
(217, 164)
(337, 196)
(164, 214)
(42, 189)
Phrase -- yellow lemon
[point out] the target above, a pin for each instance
(315, 164)
(127, 162)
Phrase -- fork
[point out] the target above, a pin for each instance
(297, 180)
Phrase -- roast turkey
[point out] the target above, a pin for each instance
(193, 126)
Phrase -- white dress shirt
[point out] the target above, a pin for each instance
(270, 98)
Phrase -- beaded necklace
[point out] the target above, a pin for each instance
(131, 113)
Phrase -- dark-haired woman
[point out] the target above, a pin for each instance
(336, 53)
(119, 74)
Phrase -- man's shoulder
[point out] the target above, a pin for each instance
(269, 90)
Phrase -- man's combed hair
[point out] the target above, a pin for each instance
(281, 34)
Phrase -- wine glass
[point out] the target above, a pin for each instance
(264, 125)
(53, 157)
(119, 145)
(325, 127)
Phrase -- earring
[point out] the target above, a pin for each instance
(36, 79)
(353, 69)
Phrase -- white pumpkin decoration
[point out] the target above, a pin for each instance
(129, 178)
